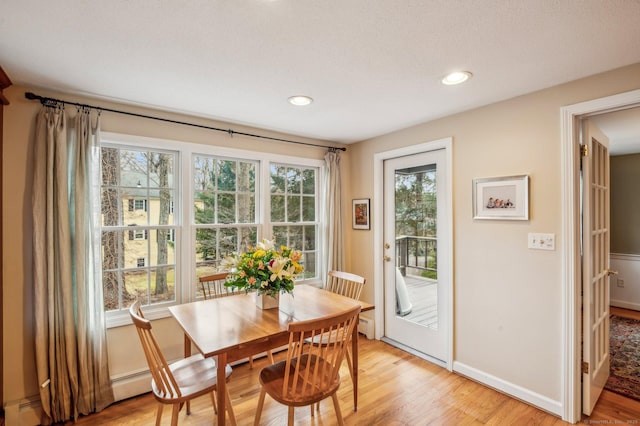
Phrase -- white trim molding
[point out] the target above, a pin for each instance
(378, 237)
(523, 394)
(570, 251)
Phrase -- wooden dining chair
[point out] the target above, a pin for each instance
(181, 381)
(213, 287)
(349, 285)
(310, 373)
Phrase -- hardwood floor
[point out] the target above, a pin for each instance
(396, 388)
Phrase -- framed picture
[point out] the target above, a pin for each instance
(361, 217)
(501, 198)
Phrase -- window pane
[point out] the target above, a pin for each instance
(111, 207)
(295, 237)
(248, 237)
(246, 177)
(309, 181)
(277, 208)
(309, 238)
(226, 175)
(246, 208)
(204, 208)
(228, 241)
(162, 249)
(308, 209)
(294, 180)
(226, 208)
(278, 179)
(111, 282)
(206, 245)
(160, 201)
(110, 166)
(280, 235)
(293, 208)
(161, 173)
(309, 263)
(136, 285)
(203, 175)
(134, 168)
(163, 284)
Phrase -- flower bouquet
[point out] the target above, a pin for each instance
(264, 268)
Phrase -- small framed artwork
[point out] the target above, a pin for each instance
(361, 216)
(501, 198)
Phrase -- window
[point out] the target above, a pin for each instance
(138, 261)
(224, 209)
(294, 211)
(164, 225)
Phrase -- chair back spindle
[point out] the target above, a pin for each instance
(345, 284)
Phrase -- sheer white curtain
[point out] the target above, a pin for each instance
(334, 247)
(71, 353)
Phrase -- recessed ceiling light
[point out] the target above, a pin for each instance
(456, 77)
(300, 100)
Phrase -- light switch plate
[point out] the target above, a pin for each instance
(538, 241)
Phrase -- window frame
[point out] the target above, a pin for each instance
(184, 223)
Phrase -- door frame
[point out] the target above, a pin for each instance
(570, 250)
(378, 230)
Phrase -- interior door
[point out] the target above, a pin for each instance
(416, 240)
(596, 272)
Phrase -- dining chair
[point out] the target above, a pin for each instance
(213, 287)
(310, 373)
(349, 285)
(179, 382)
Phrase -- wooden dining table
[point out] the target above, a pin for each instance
(233, 328)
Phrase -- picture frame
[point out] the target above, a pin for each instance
(361, 213)
(501, 198)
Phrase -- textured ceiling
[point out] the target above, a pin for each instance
(372, 66)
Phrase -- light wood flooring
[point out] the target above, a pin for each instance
(396, 388)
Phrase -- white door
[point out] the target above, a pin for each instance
(596, 272)
(416, 247)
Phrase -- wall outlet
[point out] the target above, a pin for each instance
(539, 241)
(620, 282)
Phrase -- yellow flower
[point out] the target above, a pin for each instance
(259, 253)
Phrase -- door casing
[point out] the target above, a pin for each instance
(570, 251)
(378, 235)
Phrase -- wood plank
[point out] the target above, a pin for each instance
(396, 388)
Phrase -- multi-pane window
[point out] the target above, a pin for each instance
(138, 260)
(162, 226)
(294, 211)
(224, 209)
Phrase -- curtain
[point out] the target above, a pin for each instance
(70, 332)
(334, 251)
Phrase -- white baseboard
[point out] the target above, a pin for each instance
(625, 305)
(25, 412)
(518, 392)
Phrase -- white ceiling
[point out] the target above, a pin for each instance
(372, 66)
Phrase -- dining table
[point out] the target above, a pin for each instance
(233, 328)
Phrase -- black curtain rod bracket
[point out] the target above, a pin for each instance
(52, 101)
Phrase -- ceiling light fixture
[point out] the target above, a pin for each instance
(300, 100)
(456, 77)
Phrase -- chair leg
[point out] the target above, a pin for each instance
(270, 355)
(290, 417)
(213, 401)
(250, 362)
(336, 405)
(159, 413)
(174, 414)
(263, 393)
(232, 416)
(188, 407)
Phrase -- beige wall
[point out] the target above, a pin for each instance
(20, 385)
(507, 299)
(625, 204)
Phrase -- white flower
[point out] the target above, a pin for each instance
(266, 245)
(229, 263)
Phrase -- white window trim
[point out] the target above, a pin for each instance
(183, 214)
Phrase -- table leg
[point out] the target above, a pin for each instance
(221, 388)
(354, 354)
(187, 354)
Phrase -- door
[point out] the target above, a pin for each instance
(416, 247)
(595, 264)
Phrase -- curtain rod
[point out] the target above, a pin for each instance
(45, 101)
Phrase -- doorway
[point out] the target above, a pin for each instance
(413, 237)
(571, 251)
